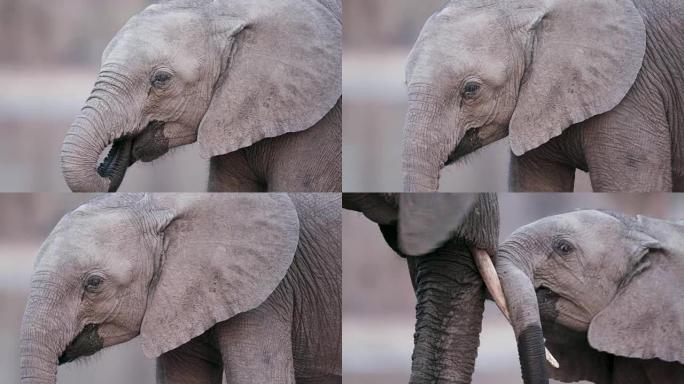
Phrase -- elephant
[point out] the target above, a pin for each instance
(257, 86)
(604, 289)
(242, 285)
(446, 240)
(593, 85)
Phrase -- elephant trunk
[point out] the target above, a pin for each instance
(520, 295)
(102, 121)
(450, 302)
(43, 334)
(426, 143)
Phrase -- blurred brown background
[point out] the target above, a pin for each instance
(25, 222)
(49, 58)
(378, 299)
(378, 36)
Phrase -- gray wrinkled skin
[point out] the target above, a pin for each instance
(588, 84)
(228, 74)
(434, 232)
(607, 289)
(242, 285)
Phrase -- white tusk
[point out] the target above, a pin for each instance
(491, 280)
(552, 360)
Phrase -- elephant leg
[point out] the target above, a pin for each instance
(536, 172)
(232, 172)
(450, 302)
(629, 148)
(196, 362)
(257, 345)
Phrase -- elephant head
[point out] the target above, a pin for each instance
(615, 280)
(529, 69)
(166, 267)
(224, 73)
(445, 239)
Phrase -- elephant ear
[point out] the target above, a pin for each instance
(583, 58)
(427, 220)
(378, 207)
(224, 255)
(645, 319)
(284, 72)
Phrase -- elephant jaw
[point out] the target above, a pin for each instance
(126, 150)
(491, 280)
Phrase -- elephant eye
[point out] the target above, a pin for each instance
(93, 283)
(563, 247)
(160, 79)
(470, 90)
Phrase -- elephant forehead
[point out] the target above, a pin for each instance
(76, 251)
(152, 36)
(104, 230)
(579, 225)
(452, 46)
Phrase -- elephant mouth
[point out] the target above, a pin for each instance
(547, 300)
(469, 144)
(86, 343)
(124, 152)
(474, 139)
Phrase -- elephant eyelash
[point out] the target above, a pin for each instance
(562, 247)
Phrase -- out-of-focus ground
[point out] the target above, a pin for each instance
(49, 58)
(378, 300)
(25, 222)
(378, 36)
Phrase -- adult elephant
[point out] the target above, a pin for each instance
(446, 240)
(258, 86)
(606, 289)
(594, 85)
(244, 285)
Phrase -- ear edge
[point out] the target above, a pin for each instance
(208, 151)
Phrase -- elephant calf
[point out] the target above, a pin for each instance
(246, 285)
(258, 85)
(594, 85)
(607, 290)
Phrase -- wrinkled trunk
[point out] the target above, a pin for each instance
(102, 121)
(427, 140)
(519, 290)
(450, 302)
(43, 334)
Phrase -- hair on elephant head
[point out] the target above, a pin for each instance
(226, 73)
(544, 66)
(123, 265)
(441, 236)
(615, 280)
